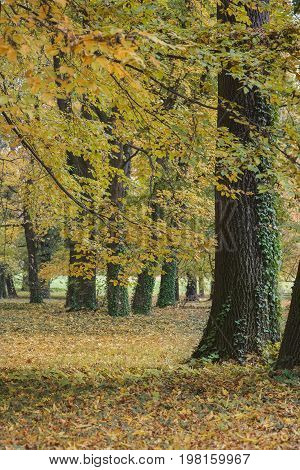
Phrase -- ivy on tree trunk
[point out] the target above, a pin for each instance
(244, 313)
(117, 292)
(167, 289)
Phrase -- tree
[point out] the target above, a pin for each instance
(46, 248)
(117, 291)
(3, 287)
(289, 353)
(36, 296)
(143, 293)
(167, 289)
(11, 289)
(81, 289)
(244, 313)
(191, 287)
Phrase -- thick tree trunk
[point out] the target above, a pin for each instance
(81, 289)
(289, 354)
(191, 288)
(32, 250)
(167, 290)
(117, 292)
(142, 298)
(11, 289)
(244, 313)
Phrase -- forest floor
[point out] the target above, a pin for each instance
(88, 381)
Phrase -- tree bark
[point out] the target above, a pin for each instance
(167, 290)
(117, 293)
(3, 289)
(244, 313)
(47, 246)
(289, 353)
(142, 298)
(191, 288)
(32, 250)
(177, 289)
(143, 293)
(81, 289)
(11, 289)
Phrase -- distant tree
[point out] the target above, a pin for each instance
(289, 353)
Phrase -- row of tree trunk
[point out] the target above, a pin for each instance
(245, 310)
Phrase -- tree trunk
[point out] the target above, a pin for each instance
(81, 289)
(117, 293)
(212, 287)
(177, 289)
(3, 290)
(191, 288)
(47, 246)
(244, 313)
(289, 353)
(167, 290)
(11, 289)
(32, 250)
(201, 286)
(25, 281)
(142, 298)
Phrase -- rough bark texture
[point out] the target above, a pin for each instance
(81, 289)
(117, 294)
(33, 269)
(3, 289)
(11, 289)
(244, 313)
(143, 293)
(167, 289)
(191, 288)
(289, 354)
(142, 298)
(177, 289)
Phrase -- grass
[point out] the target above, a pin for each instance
(86, 381)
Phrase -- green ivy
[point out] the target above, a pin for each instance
(167, 290)
(81, 294)
(267, 292)
(142, 298)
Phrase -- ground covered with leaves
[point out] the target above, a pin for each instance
(87, 381)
